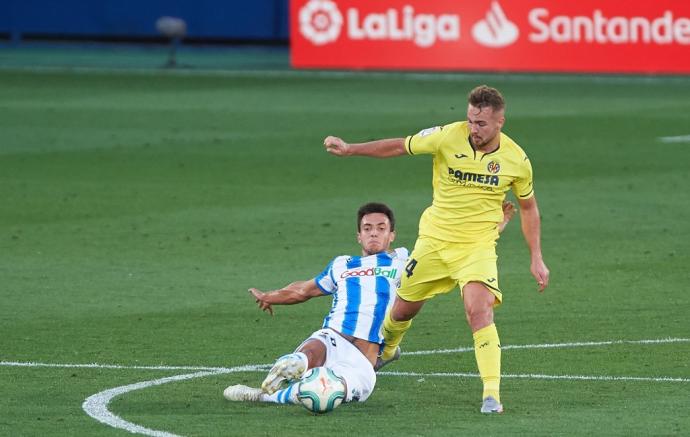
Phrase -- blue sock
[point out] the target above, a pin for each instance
(285, 396)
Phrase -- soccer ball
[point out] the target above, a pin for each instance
(321, 390)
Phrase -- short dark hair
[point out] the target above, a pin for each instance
(373, 207)
(484, 96)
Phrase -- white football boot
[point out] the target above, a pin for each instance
(242, 393)
(287, 368)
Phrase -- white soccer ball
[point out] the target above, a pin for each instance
(321, 390)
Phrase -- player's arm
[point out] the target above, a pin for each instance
(508, 213)
(531, 229)
(297, 292)
(386, 148)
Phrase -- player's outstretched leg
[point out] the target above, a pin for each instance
(287, 395)
(380, 362)
(395, 324)
(243, 393)
(287, 368)
(393, 332)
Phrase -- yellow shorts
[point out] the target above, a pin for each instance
(437, 266)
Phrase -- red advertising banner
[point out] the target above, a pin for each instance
(611, 36)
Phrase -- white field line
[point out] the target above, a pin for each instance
(676, 139)
(555, 345)
(247, 368)
(541, 376)
(263, 367)
(96, 405)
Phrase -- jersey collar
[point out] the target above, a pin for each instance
(474, 150)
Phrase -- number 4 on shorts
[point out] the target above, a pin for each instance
(409, 268)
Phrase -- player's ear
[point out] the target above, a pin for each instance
(392, 236)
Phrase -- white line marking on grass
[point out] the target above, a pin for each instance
(676, 139)
(96, 406)
(554, 345)
(247, 368)
(541, 376)
(598, 378)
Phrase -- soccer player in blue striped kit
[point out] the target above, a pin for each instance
(351, 337)
(349, 341)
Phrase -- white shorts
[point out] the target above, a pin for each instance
(348, 362)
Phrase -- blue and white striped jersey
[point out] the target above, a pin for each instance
(363, 288)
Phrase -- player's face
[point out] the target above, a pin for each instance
(485, 124)
(375, 233)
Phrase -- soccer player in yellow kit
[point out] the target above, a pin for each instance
(474, 164)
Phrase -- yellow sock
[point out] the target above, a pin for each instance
(393, 332)
(487, 350)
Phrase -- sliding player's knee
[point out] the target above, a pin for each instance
(315, 352)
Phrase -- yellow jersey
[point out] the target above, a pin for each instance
(469, 186)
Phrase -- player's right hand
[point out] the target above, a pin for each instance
(336, 146)
(260, 300)
(508, 213)
(508, 210)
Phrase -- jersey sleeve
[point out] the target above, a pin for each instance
(403, 253)
(522, 186)
(425, 142)
(325, 280)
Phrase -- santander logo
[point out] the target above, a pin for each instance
(495, 30)
(320, 21)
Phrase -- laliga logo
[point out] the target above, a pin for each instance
(495, 30)
(320, 21)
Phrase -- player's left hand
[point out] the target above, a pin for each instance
(260, 297)
(540, 273)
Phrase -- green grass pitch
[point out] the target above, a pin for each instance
(136, 210)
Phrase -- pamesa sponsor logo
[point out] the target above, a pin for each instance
(460, 176)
